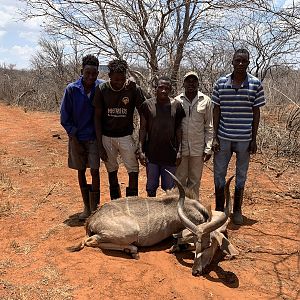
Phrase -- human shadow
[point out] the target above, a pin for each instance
(74, 221)
(247, 222)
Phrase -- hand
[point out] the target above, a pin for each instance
(130, 84)
(103, 153)
(253, 147)
(74, 139)
(206, 157)
(215, 145)
(142, 158)
(178, 159)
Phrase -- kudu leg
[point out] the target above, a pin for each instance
(130, 249)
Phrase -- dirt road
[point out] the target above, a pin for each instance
(40, 201)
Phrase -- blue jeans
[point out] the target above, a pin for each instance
(222, 159)
(155, 171)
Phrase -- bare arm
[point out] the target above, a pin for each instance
(208, 131)
(98, 124)
(142, 138)
(98, 129)
(179, 145)
(256, 118)
(216, 122)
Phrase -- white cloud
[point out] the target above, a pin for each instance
(2, 33)
(29, 36)
(19, 39)
(24, 51)
(290, 3)
(34, 24)
(3, 50)
(17, 55)
(7, 14)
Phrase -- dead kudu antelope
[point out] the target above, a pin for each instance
(127, 223)
(208, 237)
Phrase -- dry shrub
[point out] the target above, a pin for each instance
(279, 129)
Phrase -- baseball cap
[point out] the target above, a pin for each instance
(190, 73)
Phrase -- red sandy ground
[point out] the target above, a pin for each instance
(40, 201)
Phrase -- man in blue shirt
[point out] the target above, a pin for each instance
(77, 117)
(237, 99)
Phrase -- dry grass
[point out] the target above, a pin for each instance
(5, 265)
(58, 291)
(21, 249)
(7, 209)
(5, 182)
(53, 231)
(3, 151)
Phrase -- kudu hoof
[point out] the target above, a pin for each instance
(196, 273)
(135, 255)
(173, 249)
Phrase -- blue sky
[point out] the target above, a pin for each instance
(19, 39)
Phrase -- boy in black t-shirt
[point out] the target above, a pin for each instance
(160, 137)
(114, 102)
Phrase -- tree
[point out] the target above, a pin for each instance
(160, 35)
(53, 70)
(152, 33)
(270, 42)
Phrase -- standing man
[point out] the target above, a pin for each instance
(237, 99)
(115, 101)
(160, 137)
(197, 128)
(77, 117)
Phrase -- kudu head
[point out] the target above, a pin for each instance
(208, 236)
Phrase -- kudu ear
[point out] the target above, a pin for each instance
(224, 244)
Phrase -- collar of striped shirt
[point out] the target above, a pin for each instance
(230, 79)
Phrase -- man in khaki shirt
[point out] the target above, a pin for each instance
(197, 129)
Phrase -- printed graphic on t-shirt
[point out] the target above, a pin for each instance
(117, 112)
(125, 100)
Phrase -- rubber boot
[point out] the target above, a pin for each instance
(131, 192)
(86, 202)
(132, 189)
(237, 217)
(220, 198)
(115, 192)
(114, 187)
(151, 193)
(94, 200)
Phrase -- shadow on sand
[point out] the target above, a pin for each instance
(73, 221)
(226, 277)
(247, 222)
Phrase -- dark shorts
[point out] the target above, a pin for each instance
(83, 155)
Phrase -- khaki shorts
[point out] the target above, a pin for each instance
(124, 146)
(83, 155)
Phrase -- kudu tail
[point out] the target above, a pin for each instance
(77, 248)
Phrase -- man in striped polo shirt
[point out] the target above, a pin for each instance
(237, 99)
